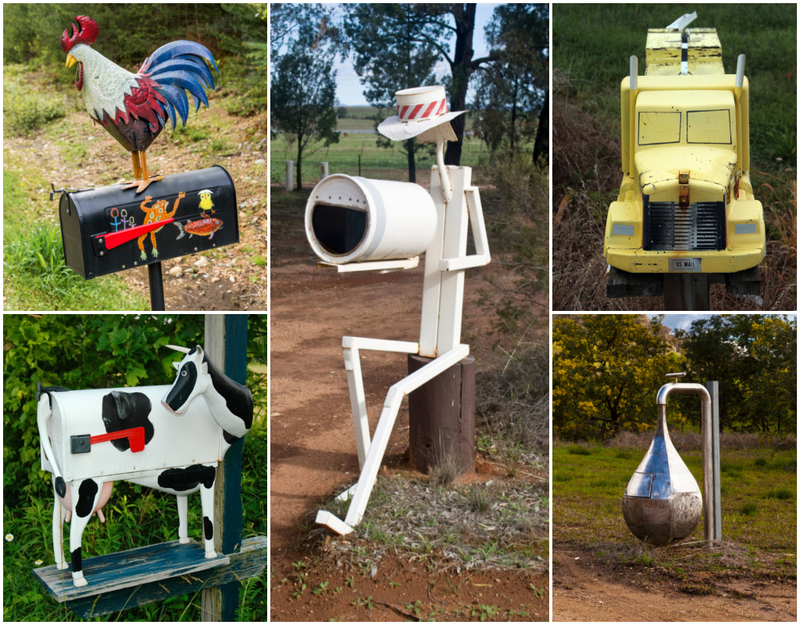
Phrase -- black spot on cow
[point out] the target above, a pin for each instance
(122, 411)
(86, 494)
(75, 556)
(188, 478)
(208, 528)
(237, 397)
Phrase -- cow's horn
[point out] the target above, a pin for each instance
(185, 350)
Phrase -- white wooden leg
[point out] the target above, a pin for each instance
(358, 400)
(85, 498)
(207, 504)
(183, 518)
(384, 430)
(59, 513)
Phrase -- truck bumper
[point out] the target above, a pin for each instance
(746, 243)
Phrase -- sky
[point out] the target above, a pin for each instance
(680, 322)
(349, 90)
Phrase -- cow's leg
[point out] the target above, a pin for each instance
(59, 513)
(207, 503)
(85, 497)
(183, 518)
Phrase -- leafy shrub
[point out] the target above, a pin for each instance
(25, 110)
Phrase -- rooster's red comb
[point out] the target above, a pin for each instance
(85, 33)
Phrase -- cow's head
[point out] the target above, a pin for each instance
(192, 380)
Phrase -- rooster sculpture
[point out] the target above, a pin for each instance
(134, 108)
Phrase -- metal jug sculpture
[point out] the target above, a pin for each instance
(662, 502)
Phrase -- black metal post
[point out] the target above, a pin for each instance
(156, 286)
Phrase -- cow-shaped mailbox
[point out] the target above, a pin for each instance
(156, 436)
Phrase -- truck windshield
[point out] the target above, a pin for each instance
(659, 127)
(709, 127)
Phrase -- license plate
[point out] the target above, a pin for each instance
(685, 264)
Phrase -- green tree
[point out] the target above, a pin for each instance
(303, 87)
(512, 91)
(429, 27)
(606, 372)
(388, 64)
(753, 357)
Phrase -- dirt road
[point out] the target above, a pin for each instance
(590, 588)
(313, 451)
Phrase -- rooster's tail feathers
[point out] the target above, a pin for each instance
(179, 49)
(188, 64)
(176, 100)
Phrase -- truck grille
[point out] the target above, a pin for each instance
(668, 227)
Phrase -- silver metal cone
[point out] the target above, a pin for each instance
(662, 502)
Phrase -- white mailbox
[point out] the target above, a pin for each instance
(351, 219)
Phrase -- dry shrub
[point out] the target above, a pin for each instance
(586, 178)
(691, 441)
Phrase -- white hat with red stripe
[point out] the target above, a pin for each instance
(418, 109)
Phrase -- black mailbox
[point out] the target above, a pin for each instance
(111, 229)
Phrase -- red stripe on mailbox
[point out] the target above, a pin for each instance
(415, 111)
(442, 107)
(401, 112)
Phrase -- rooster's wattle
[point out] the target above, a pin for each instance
(134, 108)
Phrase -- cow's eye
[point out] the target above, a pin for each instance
(183, 373)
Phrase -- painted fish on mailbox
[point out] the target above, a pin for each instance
(146, 428)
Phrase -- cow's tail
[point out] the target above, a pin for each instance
(42, 417)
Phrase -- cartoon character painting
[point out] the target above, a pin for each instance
(205, 201)
(155, 213)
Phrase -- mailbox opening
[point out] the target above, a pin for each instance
(338, 229)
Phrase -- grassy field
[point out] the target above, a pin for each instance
(759, 505)
(592, 45)
(342, 157)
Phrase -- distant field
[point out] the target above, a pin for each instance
(759, 496)
(342, 158)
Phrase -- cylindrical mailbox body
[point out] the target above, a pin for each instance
(351, 219)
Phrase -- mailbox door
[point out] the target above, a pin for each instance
(111, 229)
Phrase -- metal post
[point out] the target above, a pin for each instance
(686, 291)
(289, 176)
(156, 286)
(713, 389)
(226, 344)
(323, 170)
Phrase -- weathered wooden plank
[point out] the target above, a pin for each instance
(747, 282)
(249, 562)
(128, 568)
(625, 284)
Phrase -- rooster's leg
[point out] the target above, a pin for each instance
(137, 167)
(141, 173)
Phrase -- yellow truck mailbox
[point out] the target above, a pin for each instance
(686, 204)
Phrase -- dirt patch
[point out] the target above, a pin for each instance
(76, 153)
(313, 452)
(587, 587)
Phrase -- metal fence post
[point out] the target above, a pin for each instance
(713, 390)
(289, 176)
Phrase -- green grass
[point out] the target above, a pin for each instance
(135, 516)
(342, 158)
(758, 502)
(592, 45)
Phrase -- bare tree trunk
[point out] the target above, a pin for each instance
(541, 146)
(412, 166)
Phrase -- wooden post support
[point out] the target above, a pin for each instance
(686, 291)
(442, 416)
(226, 343)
